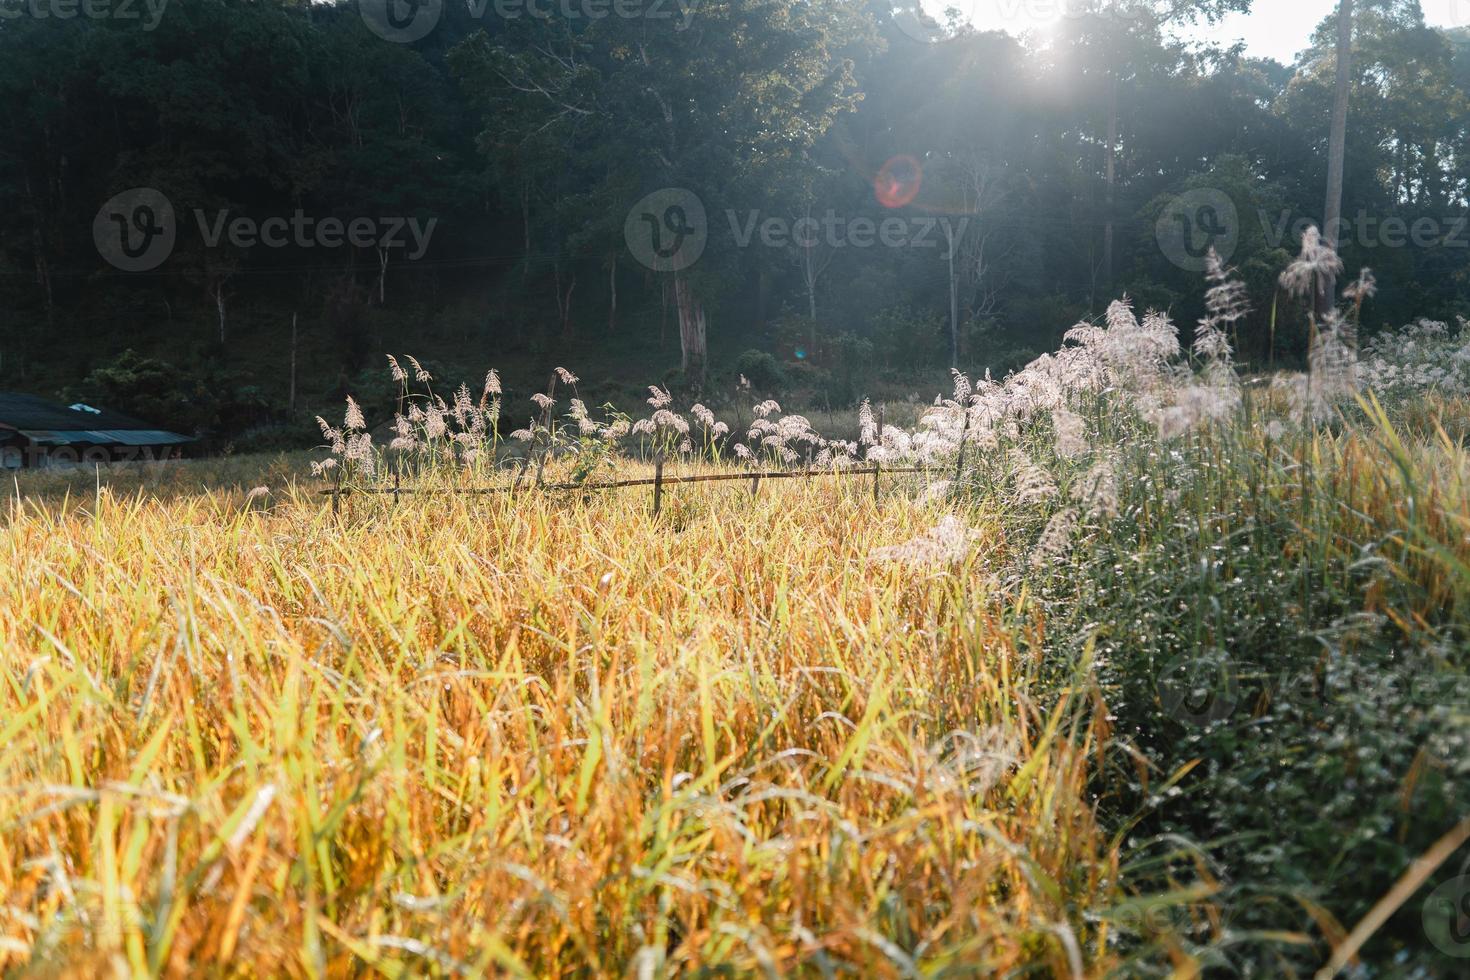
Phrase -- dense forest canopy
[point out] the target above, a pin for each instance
(835, 195)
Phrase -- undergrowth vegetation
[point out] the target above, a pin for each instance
(1151, 671)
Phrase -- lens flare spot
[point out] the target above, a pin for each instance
(898, 183)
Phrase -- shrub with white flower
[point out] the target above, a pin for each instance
(1424, 357)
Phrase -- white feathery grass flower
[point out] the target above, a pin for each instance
(947, 543)
(353, 422)
(1365, 287)
(543, 401)
(360, 453)
(463, 406)
(1057, 538)
(665, 419)
(398, 373)
(1032, 485)
(1333, 363)
(938, 490)
(1097, 491)
(962, 386)
(1315, 262)
(333, 436)
(567, 377)
(1071, 432)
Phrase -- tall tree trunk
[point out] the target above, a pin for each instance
(526, 231)
(612, 282)
(291, 402)
(43, 278)
(692, 330)
(762, 298)
(219, 306)
(1110, 176)
(564, 304)
(1337, 151)
(954, 298)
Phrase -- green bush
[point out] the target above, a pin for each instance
(1270, 614)
(762, 370)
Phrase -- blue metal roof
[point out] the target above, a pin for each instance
(52, 424)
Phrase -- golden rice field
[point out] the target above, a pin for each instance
(537, 736)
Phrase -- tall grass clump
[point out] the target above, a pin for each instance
(1276, 601)
(522, 735)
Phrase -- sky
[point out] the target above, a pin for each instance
(1274, 28)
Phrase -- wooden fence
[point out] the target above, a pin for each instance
(658, 481)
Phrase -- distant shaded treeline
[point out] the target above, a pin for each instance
(877, 196)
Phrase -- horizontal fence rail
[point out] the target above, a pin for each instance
(658, 481)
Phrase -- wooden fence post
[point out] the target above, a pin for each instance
(546, 424)
(877, 460)
(964, 434)
(658, 482)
